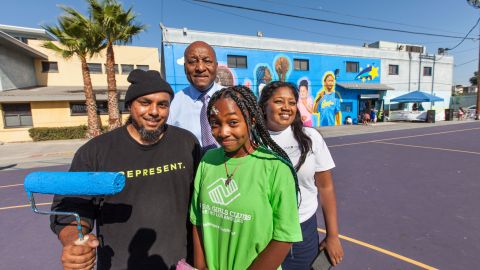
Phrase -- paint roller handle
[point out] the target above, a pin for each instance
(76, 253)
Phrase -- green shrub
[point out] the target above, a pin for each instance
(60, 133)
(57, 133)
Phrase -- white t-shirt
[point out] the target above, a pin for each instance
(318, 160)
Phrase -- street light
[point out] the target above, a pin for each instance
(476, 4)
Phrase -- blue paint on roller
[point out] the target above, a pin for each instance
(75, 183)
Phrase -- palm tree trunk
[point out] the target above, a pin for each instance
(113, 112)
(93, 127)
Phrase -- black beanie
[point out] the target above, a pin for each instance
(144, 83)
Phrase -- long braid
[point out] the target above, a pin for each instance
(247, 103)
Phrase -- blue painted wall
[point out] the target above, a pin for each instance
(257, 60)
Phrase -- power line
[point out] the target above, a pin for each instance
(330, 21)
(356, 16)
(449, 49)
(279, 25)
(467, 50)
(473, 60)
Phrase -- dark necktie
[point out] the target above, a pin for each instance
(208, 142)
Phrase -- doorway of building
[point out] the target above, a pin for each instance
(368, 105)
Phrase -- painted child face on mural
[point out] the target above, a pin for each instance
(303, 90)
(329, 83)
(268, 76)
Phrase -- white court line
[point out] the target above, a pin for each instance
(428, 147)
(14, 185)
(403, 137)
(384, 251)
(22, 206)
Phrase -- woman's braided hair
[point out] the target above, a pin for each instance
(299, 134)
(247, 102)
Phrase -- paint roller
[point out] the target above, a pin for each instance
(72, 184)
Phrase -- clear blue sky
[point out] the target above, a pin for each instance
(450, 17)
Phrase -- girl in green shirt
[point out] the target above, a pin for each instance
(244, 205)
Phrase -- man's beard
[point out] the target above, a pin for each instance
(149, 136)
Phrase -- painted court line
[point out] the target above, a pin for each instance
(432, 148)
(381, 250)
(384, 251)
(403, 137)
(22, 206)
(14, 185)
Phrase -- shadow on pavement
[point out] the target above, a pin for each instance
(8, 166)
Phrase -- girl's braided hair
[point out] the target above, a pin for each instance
(247, 102)
(299, 134)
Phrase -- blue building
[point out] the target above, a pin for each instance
(255, 60)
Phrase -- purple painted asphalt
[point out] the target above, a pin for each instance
(26, 241)
(420, 203)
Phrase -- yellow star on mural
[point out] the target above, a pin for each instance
(374, 72)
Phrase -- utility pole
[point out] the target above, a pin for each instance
(476, 4)
(477, 111)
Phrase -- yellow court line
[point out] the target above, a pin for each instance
(403, 137)
(433, 148)
(384, 251)
(14, 185)
(23, 206)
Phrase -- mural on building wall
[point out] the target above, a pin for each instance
(367, 74)
(305, 101)
(263, 75)
(225, 76)
(266, 66)
(327, 102)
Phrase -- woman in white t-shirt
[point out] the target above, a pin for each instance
(307, 149)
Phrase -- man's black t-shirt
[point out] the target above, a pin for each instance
(145, 226)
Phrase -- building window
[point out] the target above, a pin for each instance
(95, 68)
(126, 69)
(236, 61)
(143, 67)
(300, 64)
(17, 115)
(80, 108)
(427, 71)
(115, 67)
(392, 69)
(49, 67)
(352, 66)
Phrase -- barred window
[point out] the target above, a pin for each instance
(17, 115)
(49, 67)
(352, 66)
(95, 68)
(236, 61)
(301, 64)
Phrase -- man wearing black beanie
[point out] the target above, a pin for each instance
(146, 225)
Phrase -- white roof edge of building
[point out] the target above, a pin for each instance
(36, 31)
(23, 46)
(176, 35)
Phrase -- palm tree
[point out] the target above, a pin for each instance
(117, 27)
(77, 35)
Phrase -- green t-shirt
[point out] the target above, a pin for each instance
(238, 220)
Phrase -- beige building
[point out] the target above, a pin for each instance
(45, 90)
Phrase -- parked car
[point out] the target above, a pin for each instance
(470, 111)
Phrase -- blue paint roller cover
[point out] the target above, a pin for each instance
(75, 183)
